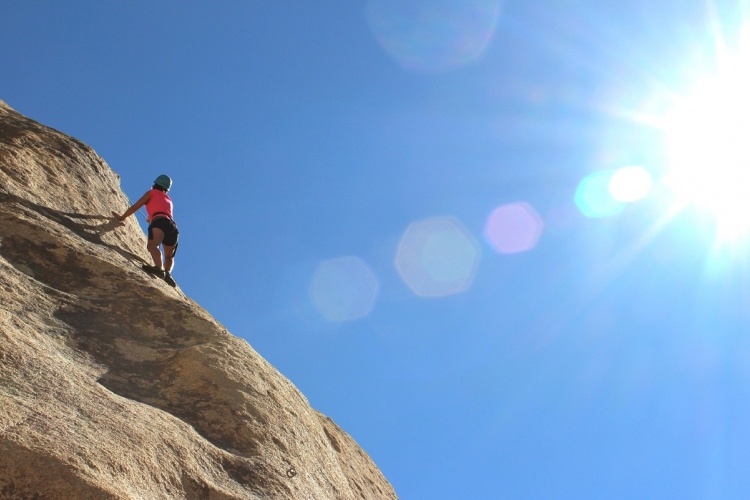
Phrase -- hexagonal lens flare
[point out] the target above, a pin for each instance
(594, 198)
(437, 257)
(433, 35)
(513, 228)
(630, 183)
(344, 289)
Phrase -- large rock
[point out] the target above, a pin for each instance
(114, 385)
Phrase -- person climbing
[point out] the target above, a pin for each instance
(162, 230)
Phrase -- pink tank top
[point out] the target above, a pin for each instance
(159, 205)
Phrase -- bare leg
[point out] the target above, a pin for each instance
(153, 246)
(168, 257)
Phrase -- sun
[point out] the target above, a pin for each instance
(707, 135)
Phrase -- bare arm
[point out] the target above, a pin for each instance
(138, 204)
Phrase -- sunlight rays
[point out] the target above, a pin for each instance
(708, 143)
(705, 134)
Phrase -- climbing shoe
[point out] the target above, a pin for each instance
(168, 278)
(153, 270)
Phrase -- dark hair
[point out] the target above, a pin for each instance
(156, 186)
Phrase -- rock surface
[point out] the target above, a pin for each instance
(114, 385)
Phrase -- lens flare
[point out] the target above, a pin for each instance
(706, 135)
(630, 184)
(433, 35)
(344, 289)
(594, 198)
(437, 257)
(513, 228)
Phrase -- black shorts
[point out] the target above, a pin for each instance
(168, 227)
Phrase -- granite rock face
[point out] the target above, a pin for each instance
(114, 385)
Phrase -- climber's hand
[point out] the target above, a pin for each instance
(117, 220)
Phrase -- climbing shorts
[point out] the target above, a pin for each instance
(168, 227)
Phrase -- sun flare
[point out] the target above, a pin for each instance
(708, 141)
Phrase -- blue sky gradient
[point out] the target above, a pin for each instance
(611, 361)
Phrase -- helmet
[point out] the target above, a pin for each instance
(163, 181)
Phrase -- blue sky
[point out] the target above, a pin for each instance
(609, 360)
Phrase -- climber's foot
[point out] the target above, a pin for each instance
(168, 278)
(153, 270)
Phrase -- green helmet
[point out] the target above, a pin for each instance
(163, 181)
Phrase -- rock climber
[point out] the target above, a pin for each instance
(162, 230)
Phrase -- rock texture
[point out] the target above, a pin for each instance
(114, 385)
